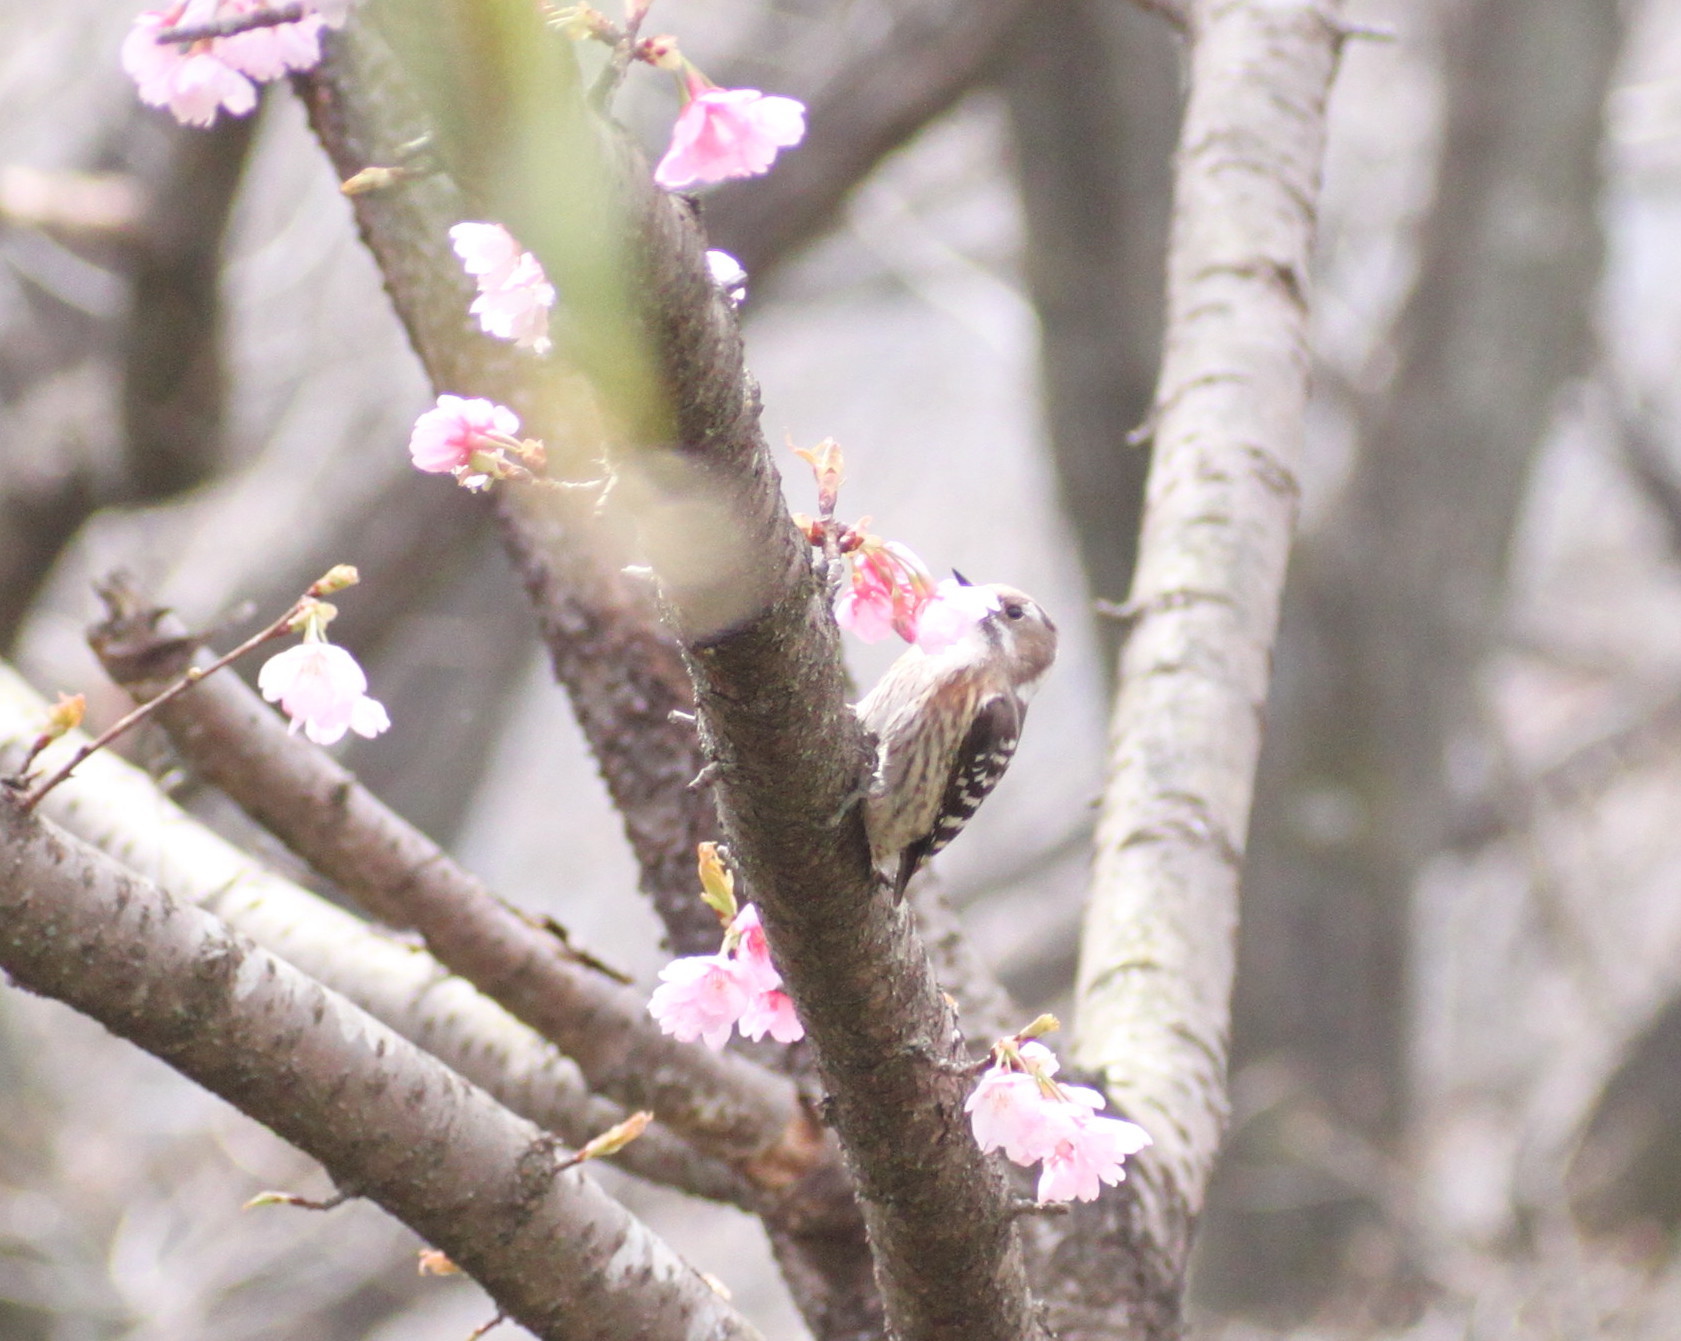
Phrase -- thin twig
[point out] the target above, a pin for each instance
(139, 714)
(231, 25)
(624, 51)
(192, 676)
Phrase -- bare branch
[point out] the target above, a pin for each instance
(726, 1105)
(1156, 963)
(120, 810)
(384, 1118)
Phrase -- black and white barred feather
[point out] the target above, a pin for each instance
(946, 727)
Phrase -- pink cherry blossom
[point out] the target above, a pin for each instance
(752, 950)
(772, 1013)
(1088, 1152)
(445, 438)
(1017, 1107)
(954, 610)
(770, 1010)
(269, 52)
(866, 609)
(727, 132)
(488, 252)
(197, 80)
(1008, 1112)
(705, 996)
(322, 689)
(194, 85)
(519, 310)
(514, 294)
(701, 996)
(890, 586)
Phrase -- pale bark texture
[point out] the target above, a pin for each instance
(1395, 603)
(386, 1120)
(1159, 946)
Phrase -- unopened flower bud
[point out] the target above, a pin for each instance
(336, 578)
(65, 715)
(661, 52)
(616, 1137)
(717, 883)
(828, 467)
(370, 179)
(435, 1263)
(578, 22)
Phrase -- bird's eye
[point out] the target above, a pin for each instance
(1013, 611)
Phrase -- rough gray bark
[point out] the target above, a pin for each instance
(1394, 604)
(1159, 946)
(387, 1121)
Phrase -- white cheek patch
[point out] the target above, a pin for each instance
(1028, 688)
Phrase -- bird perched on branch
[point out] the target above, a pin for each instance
(946, 726)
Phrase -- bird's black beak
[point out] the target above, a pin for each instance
(961, 580)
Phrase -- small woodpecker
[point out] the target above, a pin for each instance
(946, 725)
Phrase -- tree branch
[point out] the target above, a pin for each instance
(724, 1104)
(387, 1121)
(119, 810)
(623, 673)
(1156, 962)
(763, 649)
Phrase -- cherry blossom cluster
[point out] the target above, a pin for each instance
(891, 590)
(1018, 1107)
(319, 685)
(200, 77)
(514, 294)
(706, 996)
